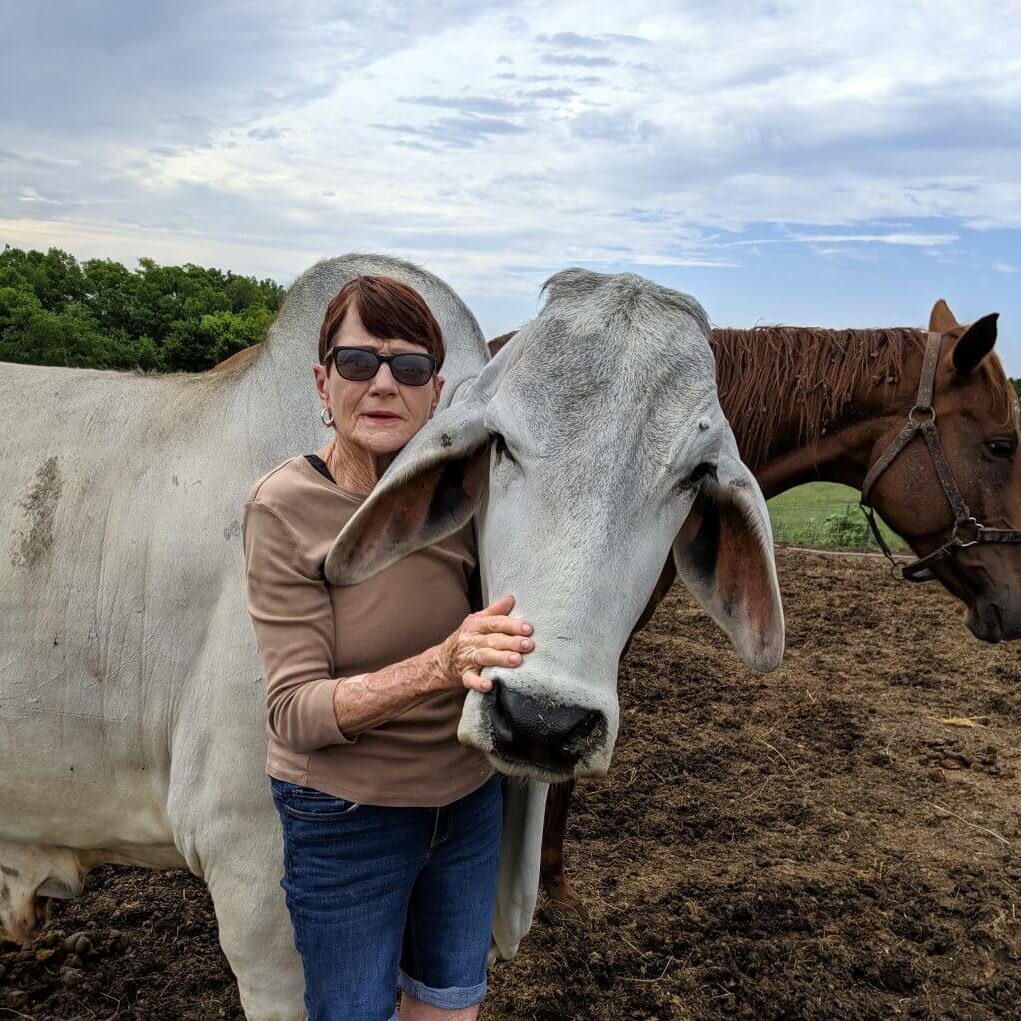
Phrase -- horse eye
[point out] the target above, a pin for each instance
(1001, 448)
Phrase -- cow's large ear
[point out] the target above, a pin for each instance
(941, 318)
(975, 343)
(432, 488)
(430, 491)
(724, 555)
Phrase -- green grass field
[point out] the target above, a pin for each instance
(824, 514)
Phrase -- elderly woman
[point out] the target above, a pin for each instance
(391, 827)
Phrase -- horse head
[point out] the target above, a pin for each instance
(953, 491)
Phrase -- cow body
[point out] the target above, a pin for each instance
(131, 698)
(131, 701)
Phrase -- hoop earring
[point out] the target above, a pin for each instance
(327, 417)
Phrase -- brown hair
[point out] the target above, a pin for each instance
(756, 368)
(819, 370)
(387, 309)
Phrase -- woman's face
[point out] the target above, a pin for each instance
(377, 415)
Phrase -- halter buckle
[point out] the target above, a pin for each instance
(913, 414)
(971, 522)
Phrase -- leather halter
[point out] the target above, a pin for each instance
(922, 419)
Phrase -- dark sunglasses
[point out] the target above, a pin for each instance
(359, 364)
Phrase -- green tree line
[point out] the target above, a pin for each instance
(55, 310)
(98, 314)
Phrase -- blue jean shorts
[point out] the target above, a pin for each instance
(386, 897)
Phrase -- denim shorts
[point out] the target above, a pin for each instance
(386, 897)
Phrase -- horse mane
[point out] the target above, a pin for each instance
(761, 369)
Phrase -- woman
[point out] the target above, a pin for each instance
(391, 827)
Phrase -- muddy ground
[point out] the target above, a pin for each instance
(819, 843)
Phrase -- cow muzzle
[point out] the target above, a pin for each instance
(540, 735)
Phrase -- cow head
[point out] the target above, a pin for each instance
(588, 448)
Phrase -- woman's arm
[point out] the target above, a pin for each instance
(294, 629)
(487, 638)
(309, 708)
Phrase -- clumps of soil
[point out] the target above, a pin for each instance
(135, 944)
(817, 843)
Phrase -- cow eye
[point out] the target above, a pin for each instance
(702, 471)
(501, 450)
(1002, 447)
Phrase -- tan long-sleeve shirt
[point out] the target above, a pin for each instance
(311, 636)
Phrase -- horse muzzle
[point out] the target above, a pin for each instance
(994, 621)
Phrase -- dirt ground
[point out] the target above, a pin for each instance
(818, 843)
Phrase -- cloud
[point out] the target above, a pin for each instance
(510, 77)
(572, 40)
(182, 71)
(37, 159)
(915, 240)
(576, 60)
(268, 134)
(467, 104)
(911, 240)
(613, 127)
(548, 93)
(457, 131)
(31, 195)
(628, 40)
(718, 133)
(473, 128)
(719, 262)
(1004, 267)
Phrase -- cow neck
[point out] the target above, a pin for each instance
(277, 397)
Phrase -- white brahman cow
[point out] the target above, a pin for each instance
(131, 701)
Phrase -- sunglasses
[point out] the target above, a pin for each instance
(359, 364)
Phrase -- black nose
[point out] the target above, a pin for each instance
(541, 732)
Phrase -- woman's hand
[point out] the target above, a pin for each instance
(486, 638)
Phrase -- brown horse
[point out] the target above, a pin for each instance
(810, 404)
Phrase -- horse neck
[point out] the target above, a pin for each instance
(846, 447)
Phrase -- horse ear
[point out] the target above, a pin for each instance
(975, 343)
(941, 318)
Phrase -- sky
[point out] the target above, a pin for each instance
(806, 163)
